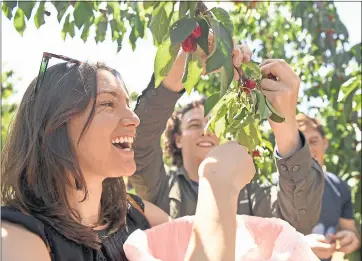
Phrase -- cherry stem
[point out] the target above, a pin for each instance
(242, 77)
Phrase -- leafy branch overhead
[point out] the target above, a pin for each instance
(238, 115)
(83, 16)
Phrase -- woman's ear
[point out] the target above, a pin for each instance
(178, 139)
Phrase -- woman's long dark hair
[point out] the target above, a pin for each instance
(38, 152)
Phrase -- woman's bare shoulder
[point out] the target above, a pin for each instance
(18, 243)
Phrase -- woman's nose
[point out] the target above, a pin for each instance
(132, 119)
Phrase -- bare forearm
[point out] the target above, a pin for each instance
(213, 235)
(173, 80)
(287, 138)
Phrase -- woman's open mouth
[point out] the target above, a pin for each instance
(124, 143)
(205, 144)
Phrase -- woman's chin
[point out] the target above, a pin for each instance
(128, 169)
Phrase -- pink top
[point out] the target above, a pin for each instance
(257, 239)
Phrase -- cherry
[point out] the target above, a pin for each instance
(256, 153)
(197, 32)
(250, 84)
(189, 45)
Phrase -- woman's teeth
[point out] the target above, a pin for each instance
(205, 144)
(124, 143)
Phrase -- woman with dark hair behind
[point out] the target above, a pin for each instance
(62, 168)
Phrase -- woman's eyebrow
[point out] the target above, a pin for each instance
(113, 93)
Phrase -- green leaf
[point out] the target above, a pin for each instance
(210, 103)
(116, 10)
(240, 115)
(27, 7)
(223, 46)
(101, 28)
(159, 23)
(61, 7)
(19, 21)
(114, 29)
(225, 40)
(119, 43)
(254, 69)
(254, 135)
(39, 15)
(220, 127)
(194, 70)
(203, 41)
(215, 61)
(186, 70)
(224, 18)
(221, 112)
(86, 27)
(356, 52)
(226, 75)
(353, 86)
(233, 109)
(148, 4)
(184, 7)
(68, 28)
(182, 29)
(192, 5)
(243, 138)
(140, 25)
(254, 100)
(276, 117)
(8, 7)
(358, 100)
(82, 12)
(165, 56)
(263, 109)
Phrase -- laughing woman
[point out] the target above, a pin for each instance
(62, 167)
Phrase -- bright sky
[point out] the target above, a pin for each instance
(23, 54)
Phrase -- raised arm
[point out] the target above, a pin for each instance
(298, 197)
(154, 107)
(214, 231)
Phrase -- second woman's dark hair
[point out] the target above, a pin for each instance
(38, 153)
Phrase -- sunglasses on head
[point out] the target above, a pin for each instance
(44, 66)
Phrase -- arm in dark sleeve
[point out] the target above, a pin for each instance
(154, 107)
(297, 198)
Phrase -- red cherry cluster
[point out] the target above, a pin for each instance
(249, 84)
(189, 45)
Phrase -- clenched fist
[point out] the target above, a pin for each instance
(228, 166)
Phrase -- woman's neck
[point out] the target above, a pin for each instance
(89, 208)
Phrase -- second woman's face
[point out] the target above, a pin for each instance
(105, 149)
